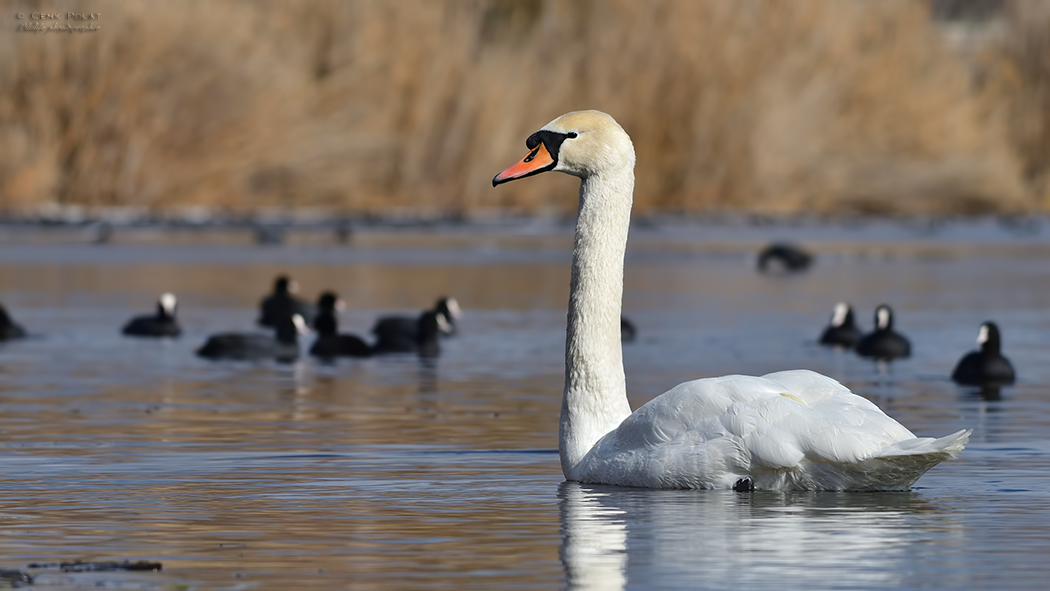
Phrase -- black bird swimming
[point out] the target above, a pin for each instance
(627, 330)
(781, 257)
(400, 329)
(329, 342)
(424, 340)
(283, 303)
(841, 331)
(883, 343)
(449, 309)
(9, 329)
(986, 367)
(161, 324)
(284, 346)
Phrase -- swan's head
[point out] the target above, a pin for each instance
(581, 143)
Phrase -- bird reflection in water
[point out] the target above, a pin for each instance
(427, 374)
(594, 539)
(990, 393)
(679, 538)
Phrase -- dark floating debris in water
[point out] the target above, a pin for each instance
(13, 577)
(94, 566)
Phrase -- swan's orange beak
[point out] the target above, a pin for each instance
(537, 161)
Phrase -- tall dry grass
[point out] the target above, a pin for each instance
(378, 106)
(1027, 50)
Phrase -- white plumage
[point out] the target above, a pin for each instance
(787, 430)
(791, 430)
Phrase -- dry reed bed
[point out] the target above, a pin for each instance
(377, 106)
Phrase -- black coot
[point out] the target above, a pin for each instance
(986, 367)
(283, 303)
(784, 258)
(841, 331)
(329, 342)
(392, 332)
(424, 340)
(883, 343)
(627, 330)
(9, 329)
(161, 324)
(284, 346)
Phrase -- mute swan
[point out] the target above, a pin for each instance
(986, 367)
(841, 331)
(161, 324)
(884, 342)
(786, 430)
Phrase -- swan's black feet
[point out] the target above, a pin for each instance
(744, 485)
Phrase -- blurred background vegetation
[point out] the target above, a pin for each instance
(381, 107)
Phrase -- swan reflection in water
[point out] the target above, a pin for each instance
(593, 538)
(720, 539)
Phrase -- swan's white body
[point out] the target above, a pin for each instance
(787, 430)
(791, 430)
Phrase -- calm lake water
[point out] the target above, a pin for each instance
(396, 474)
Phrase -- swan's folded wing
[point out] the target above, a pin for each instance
(694, 408)
(777, 420)
(826, 421)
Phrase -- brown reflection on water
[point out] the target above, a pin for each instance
(368, 286)
(322, 413)
(289, 477)
(308, 525)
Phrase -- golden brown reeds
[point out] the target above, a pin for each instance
(1027, 47)
(379, 106)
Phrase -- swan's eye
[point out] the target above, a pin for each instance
(571, 135)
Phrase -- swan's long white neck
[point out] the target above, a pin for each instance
(595, 399)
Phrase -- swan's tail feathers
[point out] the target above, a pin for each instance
(898, 466)
(895, 467)
(936, 450)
